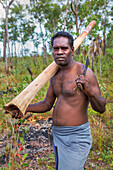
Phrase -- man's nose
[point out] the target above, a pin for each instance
(60, 51)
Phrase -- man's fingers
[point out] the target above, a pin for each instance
(16, 115)
(6, 112)
(19, 115)
(77, 79)
(80, 86)
(13, 115)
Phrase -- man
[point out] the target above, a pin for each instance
(71, 131)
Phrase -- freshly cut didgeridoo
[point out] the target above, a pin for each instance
(21, 101)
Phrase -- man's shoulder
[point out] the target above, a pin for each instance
(56, 74)
(90, 75)
(79, 67)
(89, 72)
(78, 64)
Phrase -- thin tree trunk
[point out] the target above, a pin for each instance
(44, 46)
(5, 41)
(46, 54)
(100, 64)
(75, 13)
(90, 17)
(42, 39)
(8, 46)
(76, 20)
(93, 58)
(37, 50)
(12, 49)
(6, 27)
(104, 41)
(92, 62)
(6, 37)
(15, 48)
(95, 65)
(104, 32)
(22, 50)
(65, 16)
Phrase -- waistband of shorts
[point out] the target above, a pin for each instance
(71, 129)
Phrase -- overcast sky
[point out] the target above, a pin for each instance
(2, 10)
(2, 15)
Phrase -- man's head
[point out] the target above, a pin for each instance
(62, 48)
(63, 34)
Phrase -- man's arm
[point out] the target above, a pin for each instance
(91, 89)
(44, 105)
(40, 107)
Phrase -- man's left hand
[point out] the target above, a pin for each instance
(84, 85)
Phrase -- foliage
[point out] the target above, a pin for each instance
(49, 18)
(101, 125)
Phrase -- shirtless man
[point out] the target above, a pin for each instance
(71, 131)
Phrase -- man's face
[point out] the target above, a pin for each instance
(62, 52)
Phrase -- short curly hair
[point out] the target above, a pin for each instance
(63, 34)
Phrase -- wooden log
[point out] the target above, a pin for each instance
(21, 101)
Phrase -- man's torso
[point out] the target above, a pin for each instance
(71, 105)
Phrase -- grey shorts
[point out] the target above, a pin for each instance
(71, 145)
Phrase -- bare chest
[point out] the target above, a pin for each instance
(65, 85)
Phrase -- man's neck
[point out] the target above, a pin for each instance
(69, 66)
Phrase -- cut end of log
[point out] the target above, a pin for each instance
(11, 108)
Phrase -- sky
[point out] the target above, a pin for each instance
(2, 10)
(2, 15)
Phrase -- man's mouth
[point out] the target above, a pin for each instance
(60, 59)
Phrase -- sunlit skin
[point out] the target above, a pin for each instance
(71, 103)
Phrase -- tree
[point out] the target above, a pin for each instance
(26, 30)
(110, 38)
(47, 16)
(75, 14)
(16, 14)
(21, 28)
(52, 14)
(13, 33)
(2, 26)
(6, 6)
(99, 11)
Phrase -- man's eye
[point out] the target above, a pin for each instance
(64, 48)
(55, 48)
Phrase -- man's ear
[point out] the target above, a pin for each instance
(72, 50)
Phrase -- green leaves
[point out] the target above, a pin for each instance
(22, 140)
(25, 156)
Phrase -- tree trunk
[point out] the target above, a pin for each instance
(44, 46)
(5, 41)
(8, 46)
(65, 16)
(95, 64)
(100, 64)
(12, 49)
(6, 27)
(104, 32)
(76, 20)
(104, 41)
(92, 62)
(15, 48)
(75, 13)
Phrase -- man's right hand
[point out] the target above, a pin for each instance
(15, 114)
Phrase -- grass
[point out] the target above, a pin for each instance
(101, 154)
